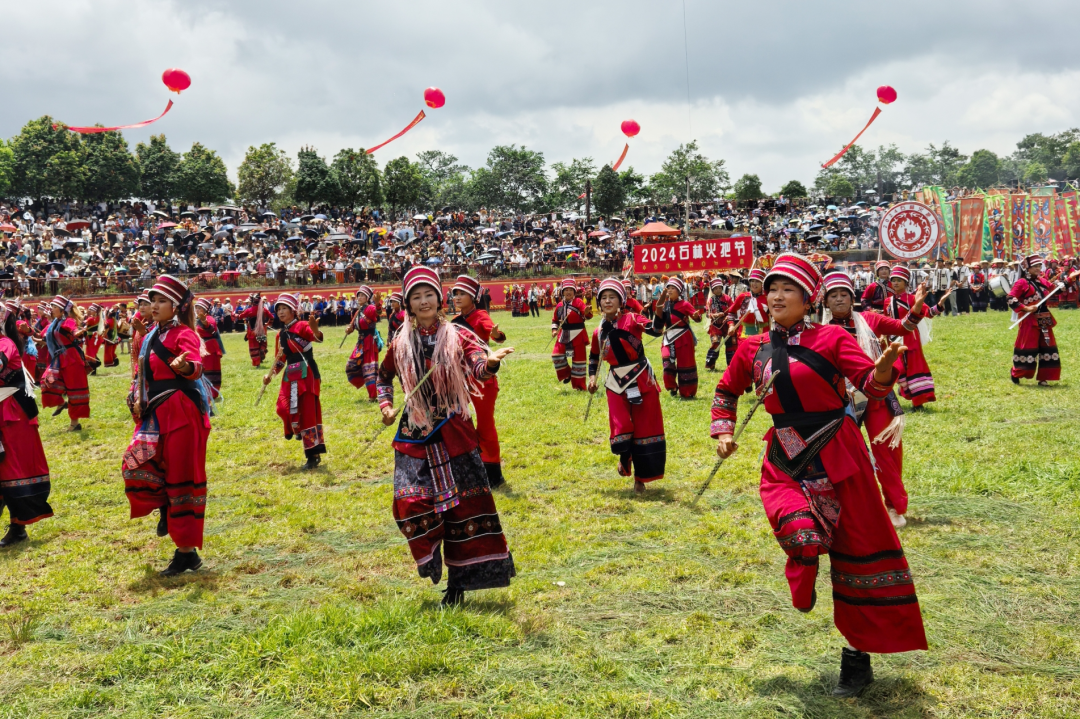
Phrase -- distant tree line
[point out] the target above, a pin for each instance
(49, 162)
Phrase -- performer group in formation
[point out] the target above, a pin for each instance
(824, 487)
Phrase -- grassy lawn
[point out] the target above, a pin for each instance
(309, 605)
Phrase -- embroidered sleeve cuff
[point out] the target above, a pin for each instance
(721, 426)
(385, 403)
(874, 389)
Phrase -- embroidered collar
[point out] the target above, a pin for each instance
(789, 333)
(428, 331)
(294, 321)
(848, 321)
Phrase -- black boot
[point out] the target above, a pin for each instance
(855, 673)
(59, 410)
(1015, 380)
(163, 522)
(453, 597)
(312, 462)
(16, 533)
(494, 474)
(181, 562)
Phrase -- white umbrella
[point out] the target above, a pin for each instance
(418, 216)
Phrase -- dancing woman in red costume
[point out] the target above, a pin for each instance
(1035, 353)
(442, 501)
(64, 383)
(206, 327)
(718, 310)
(24, 471)
(817, 480)
(916, 382)
(673, 318)
(256, 317)
(164, 466)
(362, 368)
(568, 329)
(466, 293)
(635, 416)
(298, 402)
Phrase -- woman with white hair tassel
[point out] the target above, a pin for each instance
(442, 499)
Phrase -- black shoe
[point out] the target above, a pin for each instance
(163, 522)
(312, 463)
(855, 673)
(16, 533)
(59, 410)
(1015, 380)
(182, 562)
(494, 474)
(674, 393)
(813, 602)
(453, 597)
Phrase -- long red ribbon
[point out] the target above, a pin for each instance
(877, 111)
(621, 157)
(408, 127)
(94, 130)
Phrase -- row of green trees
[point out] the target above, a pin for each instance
(513, 178)
(1037, 158)
(48, 161)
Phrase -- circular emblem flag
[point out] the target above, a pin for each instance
(909, 230)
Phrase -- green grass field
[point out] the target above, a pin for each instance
(624, 606)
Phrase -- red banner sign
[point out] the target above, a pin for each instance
(733, 253)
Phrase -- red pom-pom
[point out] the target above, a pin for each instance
(886, 95)
(630, 128)
(434, 97)
(176, 79)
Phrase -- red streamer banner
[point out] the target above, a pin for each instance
(830, 163)
(95, 130)
(1063, 238)
(621, 157)
(411, 125)
(969, 246)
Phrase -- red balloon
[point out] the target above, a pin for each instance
(434, 97)
(176, 79)
(630, 128)
(886, 95)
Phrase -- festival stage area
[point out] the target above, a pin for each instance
(624, 606)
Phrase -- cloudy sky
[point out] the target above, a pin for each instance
(776, 88)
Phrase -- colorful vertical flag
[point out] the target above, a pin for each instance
(1016, 224)
(1041, 222)
(969, 247)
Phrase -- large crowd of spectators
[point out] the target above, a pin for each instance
(82, 250)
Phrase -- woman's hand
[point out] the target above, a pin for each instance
(554, 332)
(592, 384)
(883, 367)
(494, 358)
(389, 414)
(180, 365)
(920, 299)
(349, 329)
(725, 446)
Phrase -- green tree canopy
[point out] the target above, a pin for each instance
(568, 183)
(157, 165)
(358, 179)
(794, 188)
(264, 174)
(403, 183)
(442, 175)
(314, 182)
(1071, 161)
(7, 168)
(748, 187)
(981, 171)
(112, 172)
(839, 186)
(47, 161)
(201, 177)
(1035, 173)
(609, 193)
(708, 178)
(634, 186)
(937, 166)
(518, 174)
(1047, 150)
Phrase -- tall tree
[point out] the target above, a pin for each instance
(634, 186)
(568, 183)
(403, 183)
(47, 161)
(708, 178)
(938, 166)
(358, 179)
(157, 165)
(981, 171)
(748, 187)
(112, 172)
(794, 188)
(264, 174)
(482, 190)
(201, 176)
(609, 193)
(440, 170)
(1071, 161)
(314, 183)
(519, 175)
(7, 168)
(1048, 150)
